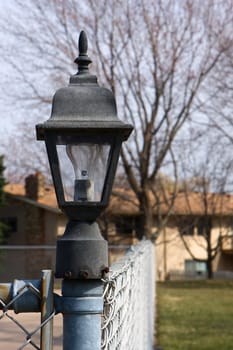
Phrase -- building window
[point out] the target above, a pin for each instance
(203, 226)
(11, 224)
(195, 267)
(124, 225)
(187, 226)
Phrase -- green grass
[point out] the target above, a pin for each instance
(195, 315)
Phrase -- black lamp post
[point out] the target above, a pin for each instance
(83, 138)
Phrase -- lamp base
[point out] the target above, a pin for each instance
(82, 253)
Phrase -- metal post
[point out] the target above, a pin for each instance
(46, 336)
(81, 260)
(82, 307)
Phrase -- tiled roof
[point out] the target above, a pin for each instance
(197, 203)
(49, 199)
(192, 203)
(124, 202)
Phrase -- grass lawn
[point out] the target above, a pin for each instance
(195, 315)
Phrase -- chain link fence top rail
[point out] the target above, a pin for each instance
(6, 314)
(129, 300)
(21, 297)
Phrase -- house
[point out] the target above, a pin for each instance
(34, 223)
(181, 245)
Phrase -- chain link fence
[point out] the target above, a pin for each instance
(27, 337)
(128, 317)
(128, 320)
(24, 297)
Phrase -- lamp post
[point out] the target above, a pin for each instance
(83, 139)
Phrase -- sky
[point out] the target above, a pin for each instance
(7, 111)
(13, 117)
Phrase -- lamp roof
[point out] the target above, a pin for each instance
(83, 103)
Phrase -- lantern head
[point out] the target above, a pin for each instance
(83, 138)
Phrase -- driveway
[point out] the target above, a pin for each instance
(12, 337)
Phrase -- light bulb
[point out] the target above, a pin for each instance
(89, 162)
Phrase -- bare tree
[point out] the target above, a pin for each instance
(158, 58)
(219, 108)
(205, 191)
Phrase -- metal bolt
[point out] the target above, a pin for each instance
(84, 274)
(68, 274)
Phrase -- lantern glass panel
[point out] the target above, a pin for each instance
(83, 170)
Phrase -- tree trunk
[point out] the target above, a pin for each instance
(209, 258)
(146, 217)
(209, 269)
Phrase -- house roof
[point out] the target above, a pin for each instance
(124, 202)
(48, 201)
(197, 203)
(191, 203)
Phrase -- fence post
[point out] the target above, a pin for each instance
(82, 259)
(82, 304)
(46, 336)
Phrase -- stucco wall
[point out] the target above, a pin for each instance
(171, 252)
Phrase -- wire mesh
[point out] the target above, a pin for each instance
(128, 319)
(6, 313)
(26, 313)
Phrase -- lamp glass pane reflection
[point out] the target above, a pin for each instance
(83, 170)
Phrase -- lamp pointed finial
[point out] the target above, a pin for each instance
(83, 60)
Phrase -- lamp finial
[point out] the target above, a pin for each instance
(83, 60)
